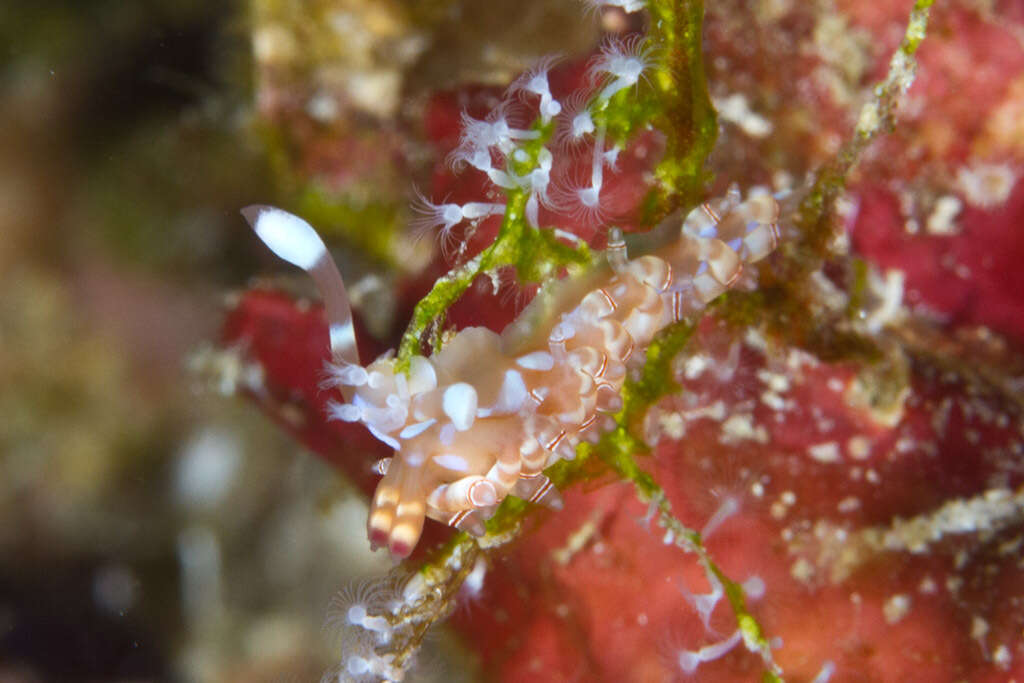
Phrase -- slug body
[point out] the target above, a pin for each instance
(483, 417)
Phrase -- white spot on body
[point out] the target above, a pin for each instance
(447, 435)
(453, 462)
(538, 360)
(460, 404)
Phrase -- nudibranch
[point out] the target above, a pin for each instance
(483, 417)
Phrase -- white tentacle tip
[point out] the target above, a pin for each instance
(288, 236)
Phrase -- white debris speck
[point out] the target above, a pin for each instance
(927, 585)
(773, 401)
(375, 91)
(782, 181)
(716, 411)
(323, 107)
(695, 365)
(274, 44)
(780, 508)
(115, 588)
(827, 452)
(890, 293)
(741, 427)
(827, 669)
(755, 340)
(1011, 547)
(979, 628)
(847, 208)
(777, 382)
(736, 110)
(987, 185)
(868, 119)
(207, 467)
(797, 359)
(1002, 657)
(848, 504)
(672, 425)
(802, 570)
(896, 607)
(941, 221)
(905, 445)
(858, 447)
(961, 557)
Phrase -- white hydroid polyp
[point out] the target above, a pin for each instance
(288, 236)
